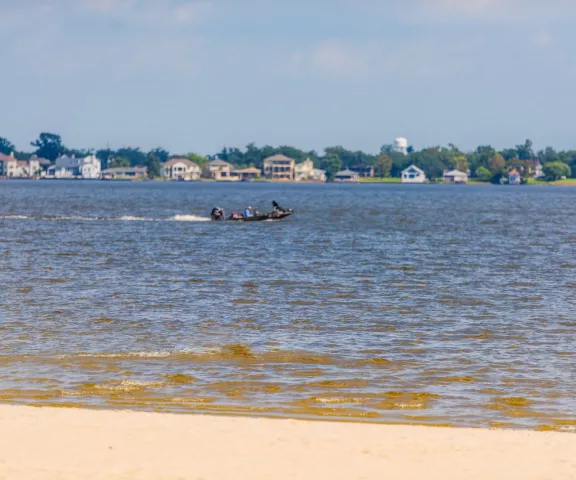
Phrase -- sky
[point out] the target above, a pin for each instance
(197, 75)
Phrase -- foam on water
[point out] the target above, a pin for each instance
(125, 218)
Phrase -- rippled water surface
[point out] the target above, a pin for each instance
(403, 304)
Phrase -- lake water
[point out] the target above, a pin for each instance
(386, 303)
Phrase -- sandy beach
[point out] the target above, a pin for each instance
(50, 444)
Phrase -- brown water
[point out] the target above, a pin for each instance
(434, 305)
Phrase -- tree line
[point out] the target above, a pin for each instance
(485, 163)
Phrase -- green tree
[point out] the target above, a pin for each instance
(49, 146)
(496, 163)
(119, 162)
(556, 170)
(106, 156)
(383, 165)
(462, 163)
(525, 151)
(483, 174)
(154, 166)
(197, 159)
(332, 164)
(134, 155)
(161, 154)
(6, 147)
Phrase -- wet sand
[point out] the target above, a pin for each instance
(50, 444)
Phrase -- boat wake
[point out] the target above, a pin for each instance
(126, 218)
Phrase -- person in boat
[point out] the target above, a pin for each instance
(217, 213)
(277, 208)
(234, 215)
(248, 211)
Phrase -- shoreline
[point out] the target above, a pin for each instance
(76, 444)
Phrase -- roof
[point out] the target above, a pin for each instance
(185, 161)
(277, 157)
(6, 158)
(219, 163)
(249, 170)
(346, 173)
(453, 173)
(413, 167)
(513, 172)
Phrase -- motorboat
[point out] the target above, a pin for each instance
(278, 213)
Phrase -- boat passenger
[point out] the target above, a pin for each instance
(248, 212)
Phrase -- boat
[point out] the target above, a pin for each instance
(277, 214)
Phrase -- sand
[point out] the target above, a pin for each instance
(61, 444)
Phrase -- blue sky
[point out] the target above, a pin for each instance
(197, 75)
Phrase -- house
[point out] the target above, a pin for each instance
(363, 170)
(347, 176)
(455, 176)
(181, 169)
(413, 174)
(219, 169)
(306, 171)
(125, 173)
(8, 166)
(246, 173)
(88, 168)
(279, 167)
(514, 177)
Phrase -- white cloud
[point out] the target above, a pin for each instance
(342, 59)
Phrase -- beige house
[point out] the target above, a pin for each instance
(124, 173)
(279, 167)
(246, 173)
(219, 169)
(12, 168)
(306, 171)
(181, 169)
(455, 176)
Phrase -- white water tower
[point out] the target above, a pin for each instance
(401, 145)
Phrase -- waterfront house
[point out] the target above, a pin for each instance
(363, 170)
(246, 173)
(413, 174)
(347, 176)
(514, 177)
(181, 169)
(279, 167)
(8, 165)
(72, 167)
(219, 169)
(125, 173)
(455, 176)
(306, 171)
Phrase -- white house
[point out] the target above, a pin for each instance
(219, 169)
(13, 168)
(413, 175)
(181, 169)
(8, 165)
(66, 166)
(455, 176)
(306, 171)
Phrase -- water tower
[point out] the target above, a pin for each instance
(401, 145)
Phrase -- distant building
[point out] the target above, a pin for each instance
(455, 176)
(363, 170)
(219, 169)
(306, 171)
(279, 167)
(246, 173)
(71, 167)
(125, 173)
(514, 177)
(181, 169)
(8, 165)
(413, 174)
(347, 176)
(401, 145)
